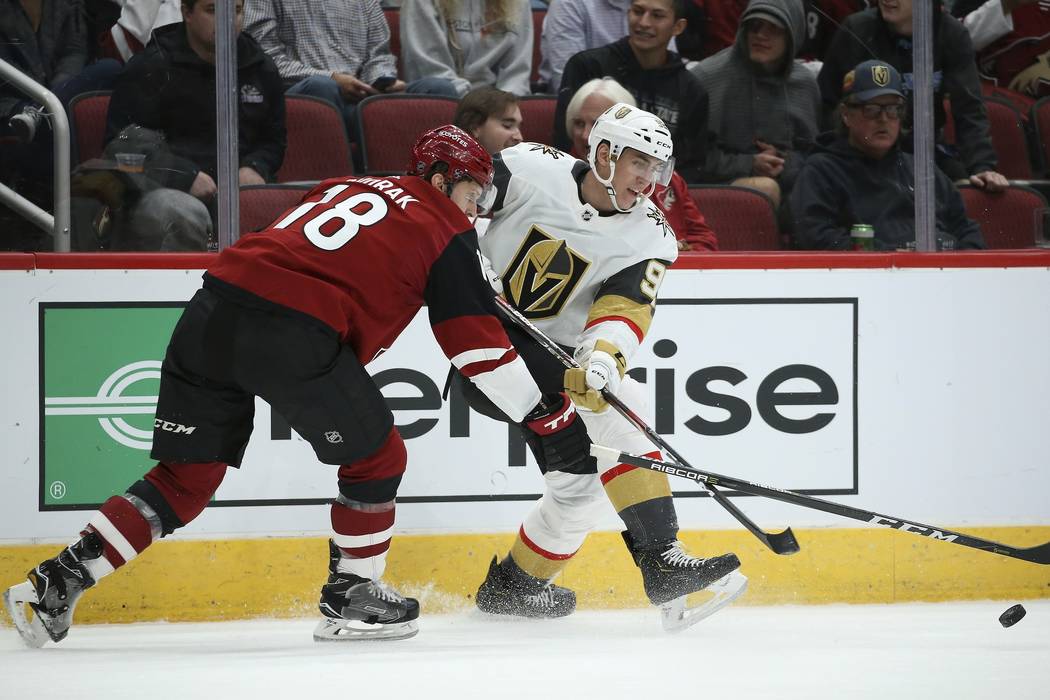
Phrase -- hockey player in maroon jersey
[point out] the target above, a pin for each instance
(292, 315)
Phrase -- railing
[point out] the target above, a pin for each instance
(57, 225)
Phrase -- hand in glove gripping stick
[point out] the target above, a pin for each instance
(603, 370)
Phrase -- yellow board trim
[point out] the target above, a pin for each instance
(182, 580)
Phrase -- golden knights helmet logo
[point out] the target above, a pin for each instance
(542, 275)
(881, 75)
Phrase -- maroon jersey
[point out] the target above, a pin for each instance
(1014, 60)
(823, 19)
(364, 254)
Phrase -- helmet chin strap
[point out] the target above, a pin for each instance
(611, 191)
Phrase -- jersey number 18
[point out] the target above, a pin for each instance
(351, 221)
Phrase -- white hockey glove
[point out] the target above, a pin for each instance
(493, 277)
(603, 369)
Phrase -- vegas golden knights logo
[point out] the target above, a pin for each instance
(622, 112)
(881, 75)
(547, 150)
(542, 275)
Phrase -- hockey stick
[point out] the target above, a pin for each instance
(779, 542)
(1039, 554)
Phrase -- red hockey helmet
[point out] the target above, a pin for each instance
(449, 144)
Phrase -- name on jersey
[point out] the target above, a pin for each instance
(390, 189)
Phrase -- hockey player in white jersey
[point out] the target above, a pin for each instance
(580, 250)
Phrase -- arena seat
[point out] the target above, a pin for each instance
(742, 218)
(537, 113)
(1006, 126)
(260, 205)
(318, 146)
(1010, 219)
(1020, 100)
(87, 121)
(388, 125)
(1008, 131)
(1040, 119)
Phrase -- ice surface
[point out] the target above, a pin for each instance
(947, 651)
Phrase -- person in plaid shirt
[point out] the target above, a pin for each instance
(337, 50)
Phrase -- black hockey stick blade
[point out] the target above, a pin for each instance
(782, 543)
(778, 542)
(1039, 554)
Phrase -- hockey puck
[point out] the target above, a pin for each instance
(1012, 615)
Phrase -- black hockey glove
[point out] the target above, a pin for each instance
(557, 436)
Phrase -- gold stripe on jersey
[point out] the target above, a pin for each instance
(614, 305)
(636, 486)
(535, 564)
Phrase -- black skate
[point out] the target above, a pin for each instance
(669, 574)
(514, 592)
(358, 608)
(52, 592)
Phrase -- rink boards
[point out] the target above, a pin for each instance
(912, 385)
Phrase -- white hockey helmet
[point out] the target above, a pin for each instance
(624, 126)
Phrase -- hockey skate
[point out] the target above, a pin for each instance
(670, 574)
(514, 592)
(51, 593)
(357, 608)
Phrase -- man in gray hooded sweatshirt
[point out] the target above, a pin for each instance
(764, 107)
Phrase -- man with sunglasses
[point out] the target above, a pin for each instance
(860, 175)
(884, 32)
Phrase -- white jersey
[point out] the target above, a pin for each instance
(575, 273)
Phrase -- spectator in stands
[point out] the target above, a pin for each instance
(763, 107)
(572, 26)
(655, 76)
(170, 88)
(589, 102)
(47, 40)
(1012, 38)
(886, 31)
(823, 17)
(134, 27)
(336, 51)
(860, 175)
(491, 116)
(468, 44)
(721, 22)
